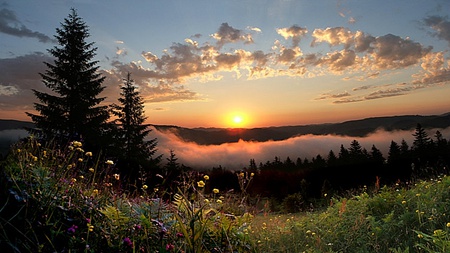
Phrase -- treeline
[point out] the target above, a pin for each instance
(349, 168)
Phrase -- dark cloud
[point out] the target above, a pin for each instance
(227, 34)
(440, 25)
(295, 32)
(19, 76)
(9, 24)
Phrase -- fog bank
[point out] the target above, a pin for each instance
(237, 155)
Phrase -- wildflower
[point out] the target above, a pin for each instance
(109, 162)
(448, 224)
(72, 229)
(170, 247)
(144, 187)
(69, 166)
(252, 174)
(418, 195)
(180, 235)
(81, 177)
(404, 202)
(90, 227)
(80, 150)
(117, 176)
(80, 160)
(206, 200)
(219, 201)
(241, 174)
(73, 180)
(70, 148)
(35, 158)
(155, 190)
(221, 197)
(137, 227)
(215, 190)
(88, 154)
(201, 184)
(420, 236)
(19, 150)
(206, 177)
(95, 192)
(45, 153)
(91, 169)
(128, 241)
(77, 144)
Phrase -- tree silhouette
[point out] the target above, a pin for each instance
(135, 152)
(72, 110)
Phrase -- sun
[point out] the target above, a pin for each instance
(237, 120)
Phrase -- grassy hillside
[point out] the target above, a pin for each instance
(70, 201)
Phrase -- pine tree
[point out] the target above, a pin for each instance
(421, 141)
(136, 153)
(72, 110)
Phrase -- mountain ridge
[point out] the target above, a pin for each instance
(355, 128)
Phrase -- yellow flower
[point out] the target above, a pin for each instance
(206, 200)
(90, 227)
(448, 224)
(81, 177)
(35, 158)
(77, 144)
(95, 191)
(420, 235)
(219, 201)
(201, 184)
(144, 187)
(88, 154)
(241, 174)
(404, 202)
(73, 180)
(215, 190)
(252, 174)
(80, 159)
(155, 189)
(70, 148)
(206, 177)
(117, 176)
(19, 150)
(91, 169)
(109, 162)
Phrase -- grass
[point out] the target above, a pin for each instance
(69, 200)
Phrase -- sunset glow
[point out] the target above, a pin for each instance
(196, 61)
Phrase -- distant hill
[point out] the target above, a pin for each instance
(356, 128)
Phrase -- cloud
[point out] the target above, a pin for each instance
(11, 25)
(235, 156)
(333, 36)
(328, 96)
(440, 25)
(227, 34)
(295, 32)
(19, 76)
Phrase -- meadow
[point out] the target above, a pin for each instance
(67, 199)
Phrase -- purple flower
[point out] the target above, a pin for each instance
(170, 247)
(72, 229)
(128, 241)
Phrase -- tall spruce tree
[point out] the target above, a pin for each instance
(135, 152)
(72, 110)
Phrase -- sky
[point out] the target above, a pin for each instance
(243, 63)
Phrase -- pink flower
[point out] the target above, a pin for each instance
(170, 247)
(128, 241)
(180, 235)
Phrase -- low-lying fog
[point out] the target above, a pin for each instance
(237, 155)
